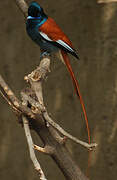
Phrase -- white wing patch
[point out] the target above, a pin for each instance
(45, 36)
(60, 42)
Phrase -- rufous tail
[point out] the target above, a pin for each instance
(77, 89)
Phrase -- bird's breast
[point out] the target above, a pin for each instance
(33, 32)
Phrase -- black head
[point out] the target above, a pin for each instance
(35, 10)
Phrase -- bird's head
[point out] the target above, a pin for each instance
(35, 11)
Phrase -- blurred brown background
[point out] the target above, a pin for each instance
(92, 27)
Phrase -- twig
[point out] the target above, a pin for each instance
(31, 149)
(22, 6)
(36, 76)
(10, 97)
(37, 106)
(66, 134)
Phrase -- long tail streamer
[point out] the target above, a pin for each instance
(77, 89)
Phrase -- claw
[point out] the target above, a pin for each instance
(44, 54)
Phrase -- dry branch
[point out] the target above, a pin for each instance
(35, 80)
(22, 6)
(31, 148)
(53, 142)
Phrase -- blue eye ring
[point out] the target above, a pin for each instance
(30, 17)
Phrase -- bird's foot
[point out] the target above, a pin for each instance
(44, 54)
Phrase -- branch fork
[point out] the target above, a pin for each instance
(32, 107)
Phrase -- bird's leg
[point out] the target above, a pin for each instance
(44, 54)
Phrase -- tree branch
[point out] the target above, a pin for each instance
(31, 149)
(22, 6)
(50, 137)
(35, 80)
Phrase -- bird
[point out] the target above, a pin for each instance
(45, 32)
